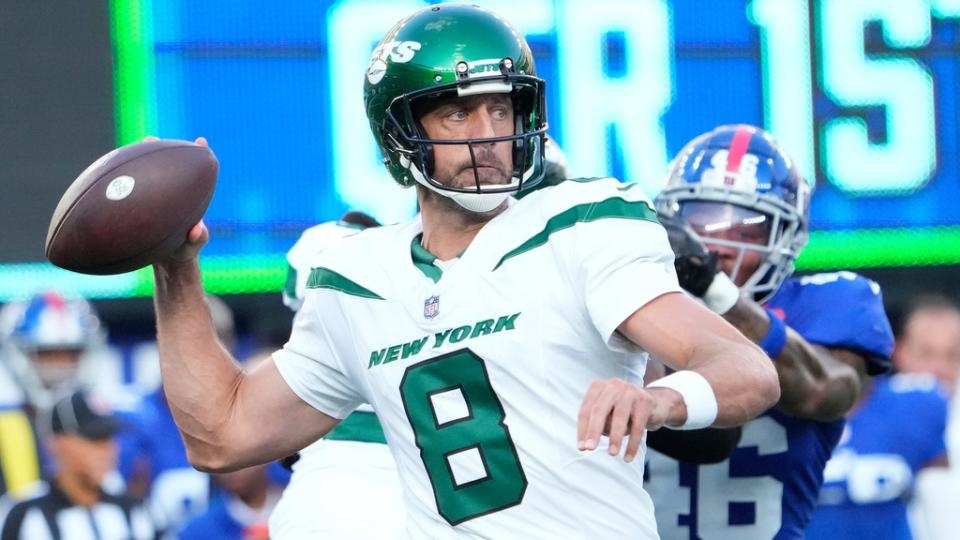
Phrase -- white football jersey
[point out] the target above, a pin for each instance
(313, 240)
(477, 367)
(336, 477)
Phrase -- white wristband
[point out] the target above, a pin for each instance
(697, 396)
(722, 294)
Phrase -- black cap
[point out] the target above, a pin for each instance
(82, 414)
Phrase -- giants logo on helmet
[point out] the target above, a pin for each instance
(396, 51)
(744, 178)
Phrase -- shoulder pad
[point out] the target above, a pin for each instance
(839, 310)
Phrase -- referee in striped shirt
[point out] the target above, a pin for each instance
(73, 504)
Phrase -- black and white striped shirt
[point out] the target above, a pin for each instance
(50, 515)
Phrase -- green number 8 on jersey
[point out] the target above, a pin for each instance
(465, 446)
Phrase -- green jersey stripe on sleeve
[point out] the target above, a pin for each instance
(290, 285)
(613, 207)
(324, 278)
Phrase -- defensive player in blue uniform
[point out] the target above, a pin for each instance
(49, 345)
(897, 430)
(736, 208)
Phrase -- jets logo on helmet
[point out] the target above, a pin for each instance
(394, 51)
(737, 175)
(450, 51)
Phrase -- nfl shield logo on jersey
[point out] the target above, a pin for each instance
(431, 306)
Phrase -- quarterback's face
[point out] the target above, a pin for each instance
(472, 117)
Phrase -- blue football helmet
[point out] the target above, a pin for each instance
(50, 322)
(737, 178)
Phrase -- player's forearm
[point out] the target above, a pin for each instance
(749, 318)
(743, 381)
(200, 378)
(687, 336)
(813, 384)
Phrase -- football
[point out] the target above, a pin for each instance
(131, 207)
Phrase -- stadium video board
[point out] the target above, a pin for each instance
(862, 93)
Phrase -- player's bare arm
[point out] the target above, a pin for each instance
(816, 382)
(686, 336)
(741, 378)
(229, 418)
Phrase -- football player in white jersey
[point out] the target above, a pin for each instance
(335, 478)
(351, 464)
(501, 342)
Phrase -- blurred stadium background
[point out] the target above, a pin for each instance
(863, 94)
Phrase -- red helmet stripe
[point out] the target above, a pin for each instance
(738, 147)
(55, 301)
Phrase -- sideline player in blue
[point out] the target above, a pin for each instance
(736, 209)
(49, 346)
(896, 431)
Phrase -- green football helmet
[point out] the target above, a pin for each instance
(454, 50)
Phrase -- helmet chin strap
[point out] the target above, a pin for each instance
(474, 202)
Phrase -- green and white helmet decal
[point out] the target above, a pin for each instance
(454, 50)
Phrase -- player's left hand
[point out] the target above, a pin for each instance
(617, 408)
(696, 266)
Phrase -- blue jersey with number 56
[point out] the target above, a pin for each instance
(768, 488)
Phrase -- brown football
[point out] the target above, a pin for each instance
(131, 207)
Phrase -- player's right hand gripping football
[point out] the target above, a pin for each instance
(198, 235)
(696, 267)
